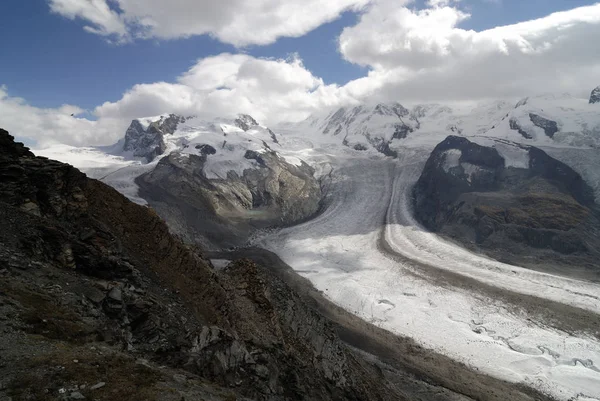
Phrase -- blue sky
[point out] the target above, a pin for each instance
(52, 61)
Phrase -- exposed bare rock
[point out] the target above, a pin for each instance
(88, 271)
(595, 96)
(514, 125)
(148, 142)
(245, 122)
(223, 212)
(550, 127)
(543, 209)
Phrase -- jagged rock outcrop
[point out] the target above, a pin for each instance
(100, 283)
(550, 127)
(514, 125)
(223, 212)
(522, 102)
(245, 122)
(595, 96)
(376, 126)
(149, 142)
(510, 207)
(391, 109)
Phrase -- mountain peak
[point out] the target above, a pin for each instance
(245, 122)
(144, 137)
(595, 96)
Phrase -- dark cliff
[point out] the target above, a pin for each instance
(529, 214)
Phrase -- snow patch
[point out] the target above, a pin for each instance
(470, 170)
(451, 159)
(513, 155)
(146, 121)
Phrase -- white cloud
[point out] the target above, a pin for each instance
(239, 22)
(48, 126)
(227, 84)
(425, 56)
(104, 20)
(220, 86)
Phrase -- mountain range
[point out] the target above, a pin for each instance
(375, 205)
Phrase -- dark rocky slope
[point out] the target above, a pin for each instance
(543, 216)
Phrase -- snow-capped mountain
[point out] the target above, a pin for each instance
(145, 136)
(193, 171)
(541, 120)
(551, 120)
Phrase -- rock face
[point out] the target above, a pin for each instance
(595, 96)
(512, 207)
(550, 127)
(245, 122)
(514, 125)
(148, 142)
(362, 127)
(129, 291)
(273, 193)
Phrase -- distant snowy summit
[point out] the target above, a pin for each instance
(224, 142)
(540, 120)
(145, 136)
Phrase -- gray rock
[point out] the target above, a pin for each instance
(245, 122)
(113, 303)
(514, 125)
(595, 96)
(98, 386)
(115, 294)
(149, 143)
(550, 127)
(274, 193)
(76, 395)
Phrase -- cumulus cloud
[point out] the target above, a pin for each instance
(424, 55)
(239, 22)
(227, 84)
(45, 127)
(104, 21)
(220, 86)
